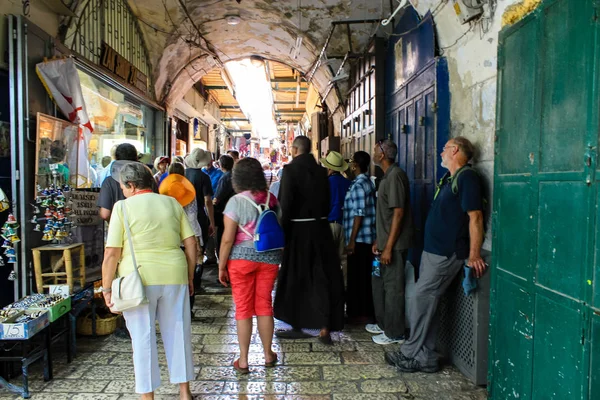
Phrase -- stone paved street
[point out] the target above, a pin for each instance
(354, 368)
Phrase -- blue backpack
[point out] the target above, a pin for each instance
(268, 234)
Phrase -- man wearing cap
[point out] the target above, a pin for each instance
(338, 186)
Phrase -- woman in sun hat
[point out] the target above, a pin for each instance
(160, 165)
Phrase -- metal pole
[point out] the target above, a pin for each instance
(13, 129)
(21, 65)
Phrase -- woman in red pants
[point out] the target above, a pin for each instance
(251, 274)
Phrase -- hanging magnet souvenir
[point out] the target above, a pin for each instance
(11, 219)
(13, 275)
(33, 220)
(4, 203)
(1, 262)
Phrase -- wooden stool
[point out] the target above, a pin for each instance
(65, 260)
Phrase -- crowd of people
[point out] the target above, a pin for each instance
(343, 262)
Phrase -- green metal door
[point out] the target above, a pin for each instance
(545, 301)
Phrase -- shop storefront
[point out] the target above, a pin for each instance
(46, 151)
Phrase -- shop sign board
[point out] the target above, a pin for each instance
(118, 65)
(85, 208)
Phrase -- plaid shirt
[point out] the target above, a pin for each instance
(360, 202)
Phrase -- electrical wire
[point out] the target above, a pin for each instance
(471, 25)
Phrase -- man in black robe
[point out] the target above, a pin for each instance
(310, 288)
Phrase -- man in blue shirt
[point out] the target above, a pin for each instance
(453, 238)
(338, 186)
(215, 175)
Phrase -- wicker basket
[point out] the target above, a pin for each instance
(105, 324)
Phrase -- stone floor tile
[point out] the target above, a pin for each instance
(374, 347)
(222, 348)
(119, 347)
(293, 374)
(206, 387)
(70, 371)
(51, 396)
(220, 339)
(224, 321)
(204, 313)
(358, 372)
(133, 396)
(117, 372)
(320, 387)
(364, 396)
(95, 396)
(230, 374)
(254, 387)
(361, 357)
(287, 347)
(337, 346)
(205, 329)
(384, 386)
(217, 360)
(120, 386)
(76, 385)
(321, 358)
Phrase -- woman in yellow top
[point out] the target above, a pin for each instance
(158, 225)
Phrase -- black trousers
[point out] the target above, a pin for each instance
(359, 293)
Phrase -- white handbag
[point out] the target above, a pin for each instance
(128, 291)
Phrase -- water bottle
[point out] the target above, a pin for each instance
(376, 270)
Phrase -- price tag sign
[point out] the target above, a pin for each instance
(63, 290)
(13, 331)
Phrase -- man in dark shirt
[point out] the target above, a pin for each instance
(394, 227)
(223, 194)
(111, 192)
(453, 237)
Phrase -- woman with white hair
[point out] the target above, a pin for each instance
(157, 225)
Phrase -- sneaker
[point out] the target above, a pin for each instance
(383, 339)
(412, 365)
(374, 329)
(395, 357)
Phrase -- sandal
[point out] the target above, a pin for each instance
(236, 365)
(271, 363)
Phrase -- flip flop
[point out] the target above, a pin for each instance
(271, 363)
(236, 365)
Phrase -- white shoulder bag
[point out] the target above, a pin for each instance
(128, 291)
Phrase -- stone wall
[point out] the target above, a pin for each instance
(471, 50)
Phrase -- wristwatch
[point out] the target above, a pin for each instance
(105, 290)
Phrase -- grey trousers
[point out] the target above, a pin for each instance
(388, 296)
(435, 275)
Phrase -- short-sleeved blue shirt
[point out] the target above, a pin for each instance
(447, 225)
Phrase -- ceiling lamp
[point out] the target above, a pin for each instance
(233, 19)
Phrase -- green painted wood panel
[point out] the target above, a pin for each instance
(517, 97)
(515, 255)
(512, 362)
(567, 59)
(595, 357)
(558, 214)
(595, 278)
(558, 370)
(562, 236)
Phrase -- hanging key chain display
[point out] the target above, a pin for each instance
(56, 206)
(10, 236)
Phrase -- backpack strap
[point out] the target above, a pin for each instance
(454, 180)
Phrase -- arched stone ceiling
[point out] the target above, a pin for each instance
(187, 38)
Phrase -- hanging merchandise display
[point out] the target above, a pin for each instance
(57, 205)
(4, 203)
(10, 236)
